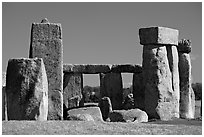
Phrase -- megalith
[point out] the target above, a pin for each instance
(4, 107)
(72, 94)
(138, 91)
(111, 86)
(46, 43)
(159, 70)
(26, 89)
(187, 96)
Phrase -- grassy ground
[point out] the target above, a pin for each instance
(174, 127)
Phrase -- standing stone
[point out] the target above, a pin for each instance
(173, 59)
(187, 102)
(111, 86)
(159, 93)
(46, 43)
(105, 107)
(138, 91)
(26, 89)
(72, 85)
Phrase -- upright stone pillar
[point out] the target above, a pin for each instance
(46, 43)
(187, 99)
(111, 86)
(138, 91)
(72, 85)
(26, 89)
(159, 70)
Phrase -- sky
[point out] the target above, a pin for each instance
(101, 33)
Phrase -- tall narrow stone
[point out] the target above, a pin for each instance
(73, 85)
(26, 89)
(46, 43)
(111, 86)
(138, 91)
(187, 96)
(159, 93)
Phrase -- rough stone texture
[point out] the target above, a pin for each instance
(86, 68)
(158, 35)
(111, 86)
(158, 83)
(187, 96)
(129, 102)
(184, 46)
(172, 55)
(138, 91)
(80, 117)
(94, 112)
(26, 89)
(73, 85)
(46, 43)
(126, 68)
(132, 115)
(105, 107)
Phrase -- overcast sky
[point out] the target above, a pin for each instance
(101, 33)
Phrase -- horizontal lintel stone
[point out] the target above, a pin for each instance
(158, 35)
(86, 68)
(128, 68)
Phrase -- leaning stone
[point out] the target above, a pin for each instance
(105, 107)
(132, 115)
(138, 91)
(46, 43)
(187, 101)
(26, 89)
(126, 68)
(86, 68)
(72, 85)
(86, 112)
(111, 86)
(184, 46)
(158, 35)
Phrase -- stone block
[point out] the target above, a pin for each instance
(187, 96)
(85, 114)
(72, 93)
(158, 35)
(111, 86)
(159, 95)
(86, 68)
(46, 43)
(131, 115)
(138, 91)
(126, 68)
(105, 107)
(26, 89)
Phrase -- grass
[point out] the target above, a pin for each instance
(174, 127)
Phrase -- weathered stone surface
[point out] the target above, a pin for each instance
(73, 85)
(158, 83)
(94, 112)
(132, 115)
(46, 43)
(26, 89)
(111, 86)
(172, 55)
(105, 107)
(184, 46)
(128, 102)
(86, 68)
(158, 35)
(187, 96)
(81, 117)
(138, 91)
(126, 68)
